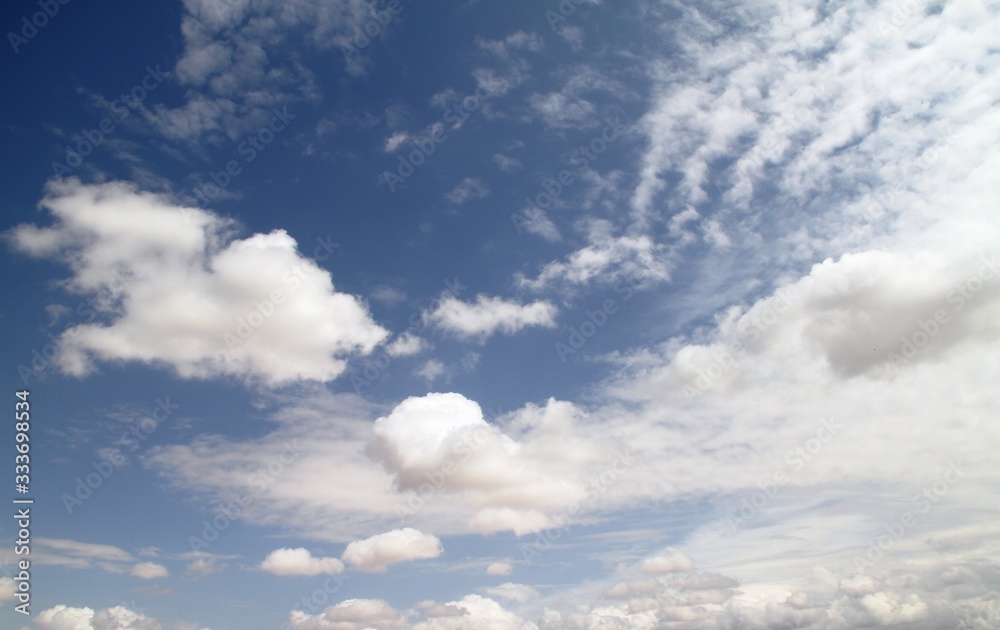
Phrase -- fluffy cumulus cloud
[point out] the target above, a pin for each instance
(377, 553)
(473, 612)
(63, 617)
(299, 561)
(489, 315)
(166, 285)
(433, 460)
(439, 446)
(831, 406)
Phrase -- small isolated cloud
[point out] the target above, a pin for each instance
(431, 370)
(396, 140)
(512, 592)
(468, 189)
(406, 345)
(534, 221)
(375, 554)
(506, 163)
(499, 568)
(488, 315)
(390, 296)
(299, 562)
(167, 285)
(149, 571)
(669, 560)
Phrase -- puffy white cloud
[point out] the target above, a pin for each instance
(299, 561)
(489, 315)
(148, 570)
(375, 554)
(670, 560)
(474, 612)
(442, 441)
(61, 617)
(499, 568)
(175, 290)
(352, 614)
(433, 459)
(406, 345)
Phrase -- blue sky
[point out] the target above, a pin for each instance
(410, 315)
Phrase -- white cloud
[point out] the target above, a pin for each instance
(148, 570)
(606, 260)
(534, 221)
(669, 561)
(65, 618)
(474, 612)
(506, 163)
(396, 140)
(560, 111)
(499, 568)
(431, 370)
(234, 66)
(406, 345)
(352, 614)
(79, 555)
(390, 296)
(468, 189)
(488, 315)
(7, 589)
(176, 291)
(62, 617)
(520, 40)
(375, 554)
(513, 592)
(299, 561)
(202, 563)
(442, 439)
